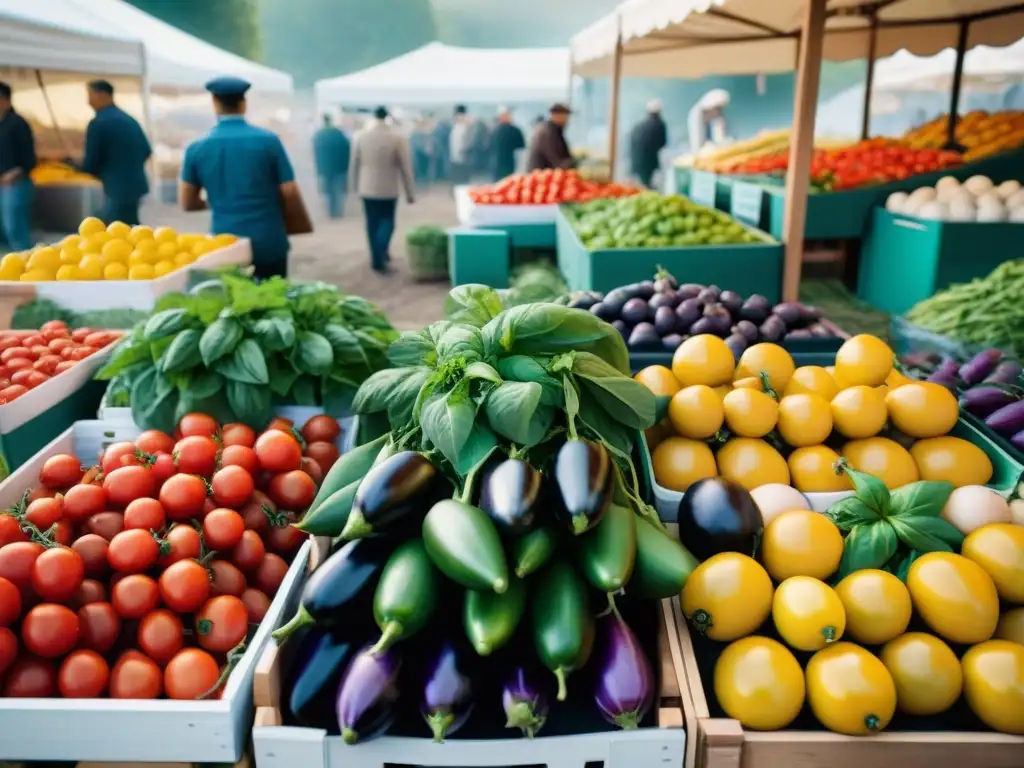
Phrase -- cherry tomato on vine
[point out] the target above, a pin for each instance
(135, 595)
(232, 486)
(293, 490)
(312, 468)
(161, 635)
(99, 626)
(63, 532)
(10, 530)
(324, 453)
(43, 513)
(10, 602)
(237, 434)
(280, 423)
(270, 574)
(154, 441)
(126, 484)
(249, 551)
(16, 561)
(93, 551)
(146, 514)
(30, 678)
(163, 467)
(284, 539)
(254, 514)
(226, 579)
(278, 451)
(105, 524)
(184, 542)
(112, 456)
(135, 676)
(197, 424)
(222, 529)
(83, 675)
(184, 586)
(89, 591)
(321, 427)
(49, 630)
(222, 623)
(133, 551)
(256, 603)
(83, 501)
(196, 455)
(240, 456)
(190, 674)
(182, 496)
(57, 573)
(61, 471)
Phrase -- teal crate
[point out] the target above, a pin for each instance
(710, 189)
(681, 178)
(528, 235)
(905, 259)
(748, 203)
(478, 256)
(746, 269)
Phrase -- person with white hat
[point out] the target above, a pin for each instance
(706, 121)
(646, 141)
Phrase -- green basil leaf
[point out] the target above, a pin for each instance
(870, 490)
(246, 365)
(337, 400)
(447, 420)
(472, 304)
(275, 334)
(510, 409)
(313, 353)
(249, 402)
(478, 445)
(219, 339)
(867, 546)
(403, 396)
(166, 323)
(153, 403)
(627, 401)
(183, 353)
(904, 567)
(282, 376)
(921, 499)
(461, 342)
(412, 348)
(526, 368)
(303, 391)
(927, 534)
(482, 370)
(361, 313)
(850, 512)
(347, 348)
(608, 429)
(131, 350)
(383, 388)
(205, 384)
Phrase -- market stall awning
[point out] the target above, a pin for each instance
(174, 59)
(693, 38)
(444, 74)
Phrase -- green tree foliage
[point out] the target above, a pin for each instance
(229, 24)
(314, 39)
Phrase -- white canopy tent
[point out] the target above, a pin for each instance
(444, 74)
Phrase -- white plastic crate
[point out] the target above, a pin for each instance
(131, 730)
(470, 214)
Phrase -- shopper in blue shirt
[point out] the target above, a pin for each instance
(331, 152)
(116, 151)
(17, 159)
(249, 183)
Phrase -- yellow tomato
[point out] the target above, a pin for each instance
(10, 272)
(166, 251)
(116, 250)
(727, 597)
(766, 358)
(994, 684)
(202, 248)
(46, 258)
(954, 596)
(90, 268)
(759, 683)
(859, 412)
(166, 235)
(863, 360)
(141, 272)
(68, 272)
(679, 463)
(807, 613)
(12, 262)
(895, 379)
(886, 459)
(696, 412)
(751, 382)
(138, 234)
(137, 257)
(1011, 626)
(37, 276)
(94, 243)
(801, 543)
(90, 226)
(658, 379)
(751, 462)
(162, 268)
(115, 271)
(877, 606)
(922, 409)
(999, 549)
(183, 259)
(750, 412)
(926, 672)
(952, 459)
(703, 359)
(146, 245)
(722, 390)
(850, 690)
(69, 254)
(224, 240)
(812, 470)
(812, 380)
(119, 229)
(804, 419)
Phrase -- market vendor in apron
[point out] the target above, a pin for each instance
(706, 121)
(249, 182)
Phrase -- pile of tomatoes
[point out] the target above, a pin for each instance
(546, 188)
(141, 577)
(30, 359)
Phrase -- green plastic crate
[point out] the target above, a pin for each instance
(478, 256)
(710, 189)
(746, 269)
(905, 259)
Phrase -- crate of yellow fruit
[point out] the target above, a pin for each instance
(118, 265)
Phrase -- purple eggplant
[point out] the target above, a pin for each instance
(643, 337)
(1007, 372)
(644, 290)
(710, 294)
(746, 329)
(368, 695)
(623, 328)
(736, 343)
(1017, 441)
(313, 679)
(672, 341)
(820, 331)
(625, 680)
(605, 311)
(690, 290)
(526, 702)
(509, 495)
(979, 366)
(636, 311)
(772, 329)
(583, 471)
(809, 314)
(799, 333)
(665, 321)
(688, 312)
(789, 312)
(1008, 420)
(982, 401)
(659, 300)
(731, 301)
(945, 375)
(447, 693)
(584, 301)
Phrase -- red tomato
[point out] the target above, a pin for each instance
(256, 603)
(17, 560)
(83, 501)
(126, 484)
(184, 542)
(324, 453)
(41, 493)
(47, 364)
(147, 514)
(8, 649)
(43, 513)
(249, 551)
(100, 626)
(161, 635)
(278, 451)
(222, 623)
(135, 676)
(155, 441)
(182, 496)
(13, 392)
(293, 490)
(184, 586)
(81, 353)
(112, 456)
(10, 530)
(208, 506)
(270, 574)
(32, 339)
(222, 529)
(59, 344)
(30, 678)
(197, 424)
(312, 468)
(93, 551)
(281, 423)
(83, 675)
(196, 455)
(63, 532)
(240, 456)
(192, 673)
(97, 339)
(232, 486)
(135, 595)
(61, 471)
(105, 524)
(57, 573)
(226, 578)
(237, 434)
(89, 591)
(49, 630)
(66, 365)
(284, 539)
(10, 602)
(321, 428)
(255, 514)
(162, 468)
(13, 353)
(133, 551)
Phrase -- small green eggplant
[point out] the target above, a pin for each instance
(406, 594)
(491, 619)
(464, 544)
(607, 553)
(662, 563)
(532, 550)
(563, 627)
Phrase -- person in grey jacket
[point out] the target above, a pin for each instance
(381, 163)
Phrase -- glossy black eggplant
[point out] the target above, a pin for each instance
(583, 471)
(625, 680)
(346, 578)
(526, 701)
(368, 695)
(510, 493)
(719, 515)
(447, 692)
(312, 681)
(395, 493)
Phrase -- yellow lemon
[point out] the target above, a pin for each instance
(952, 459)
(658, 379)
(119, 229)
(850, 690)
(36, 276)
(183, 259)
(954, 596)
(751, 463)
(45, 258)
(165, 235)
(896, 379)
(10, 272)
(927, 673)
(69, 254)
(813, 380)
(162, 268)
(696, 412)
(859, 412)
(999, 549)
(703, 359)
(808, 614)
(90, 268)
(750, 412)
(801, 543)
(142, 272)
(116, 250)
(877, 606)
(12, 262)
(94, 243)
(886, 459)
(146, 245)
(804, 419)
(115, 271)
(68, 272)
(202, 248)
(166, 251)
(91, 226)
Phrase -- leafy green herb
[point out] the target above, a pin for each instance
(868, 546)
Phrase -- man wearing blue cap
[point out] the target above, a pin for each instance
(249, 182)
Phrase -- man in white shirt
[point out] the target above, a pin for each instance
(458, 146)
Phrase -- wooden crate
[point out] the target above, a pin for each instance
(720, 742)
(276, 745)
